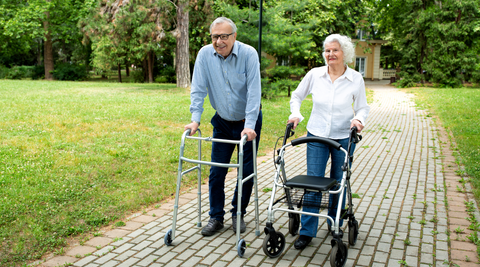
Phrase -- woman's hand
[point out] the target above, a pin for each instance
(295, 121)
(357, 124)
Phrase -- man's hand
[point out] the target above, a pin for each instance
(193, 128)
(295, 121)
(251, 134)
(357, 124)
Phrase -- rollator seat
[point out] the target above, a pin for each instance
(311, 182)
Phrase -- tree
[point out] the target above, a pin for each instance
(123, 31)
(454, 41)
(437, 40)
(50, 21)
(182, 55)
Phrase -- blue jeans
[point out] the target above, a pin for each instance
(317, 158)
(222, 153)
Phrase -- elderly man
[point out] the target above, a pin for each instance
(229, 72)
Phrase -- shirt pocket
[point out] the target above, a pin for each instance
(239, 81)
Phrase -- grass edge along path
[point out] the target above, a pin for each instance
(457, 110)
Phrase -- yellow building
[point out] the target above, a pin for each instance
(367, 58)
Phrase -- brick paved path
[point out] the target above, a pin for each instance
(399, 174)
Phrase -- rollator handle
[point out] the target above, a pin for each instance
(354, 136)
(288, 133)
(316, 139)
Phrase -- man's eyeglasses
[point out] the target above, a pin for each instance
(222, 36)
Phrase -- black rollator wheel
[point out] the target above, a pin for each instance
(293, 223)
(352, 232)
(273, 248)
(338, 256)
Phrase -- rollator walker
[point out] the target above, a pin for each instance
(240, 244)
(312, 191)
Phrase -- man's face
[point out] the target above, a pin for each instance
(223, 47)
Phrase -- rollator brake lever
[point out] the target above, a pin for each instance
(288, 133)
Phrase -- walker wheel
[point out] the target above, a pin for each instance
(168, 238)
(273, 248)
(352, 232)
(242, 246)
(338, 255)
(293, 224)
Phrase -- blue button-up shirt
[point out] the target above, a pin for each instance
(232, 83)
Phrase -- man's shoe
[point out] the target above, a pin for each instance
(302, 241)
(212, 227)
(243, 226)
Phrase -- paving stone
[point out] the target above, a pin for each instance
(84, 261)
(116, 233)
(99, 241)
(59, 260)
(80, 251)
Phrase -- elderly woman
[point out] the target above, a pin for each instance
(339, 103)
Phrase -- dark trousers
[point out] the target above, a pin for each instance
(222, 153)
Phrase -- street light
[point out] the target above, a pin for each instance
(260, 33)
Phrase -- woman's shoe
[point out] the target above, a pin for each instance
(302, 241)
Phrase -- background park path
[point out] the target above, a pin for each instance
(410, 207)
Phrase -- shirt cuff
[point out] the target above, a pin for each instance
(296, 115)
(196, 116)
(358, 119)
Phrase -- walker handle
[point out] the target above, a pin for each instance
(316, 139)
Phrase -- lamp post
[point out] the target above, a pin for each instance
(260, 33)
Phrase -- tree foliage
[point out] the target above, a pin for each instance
(293, 32)
(49, 22)
(124, 32)
(438, 41)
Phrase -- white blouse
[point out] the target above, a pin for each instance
(335, 105)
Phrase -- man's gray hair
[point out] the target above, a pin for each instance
(221, 20)
(346, 45)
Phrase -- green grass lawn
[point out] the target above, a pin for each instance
(75, 156)
(458, 110)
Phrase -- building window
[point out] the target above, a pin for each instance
(362, 35)
(361, 65)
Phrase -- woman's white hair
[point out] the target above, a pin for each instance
(345, 44)
(221, 20)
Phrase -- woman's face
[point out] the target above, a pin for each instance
(333, 54)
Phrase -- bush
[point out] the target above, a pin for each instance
(138, 76)
(161, 79)
(274, 88)
(19, 72)
(285, 72)
(69, 72)
(3, 71)
(268, 89)
(38, 72)
(169, 73)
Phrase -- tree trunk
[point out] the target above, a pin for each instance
(182, 52)
(145, 69)
(150, 67)
(39, 52)
(119, 73)
(127, 69)
(48, 50)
